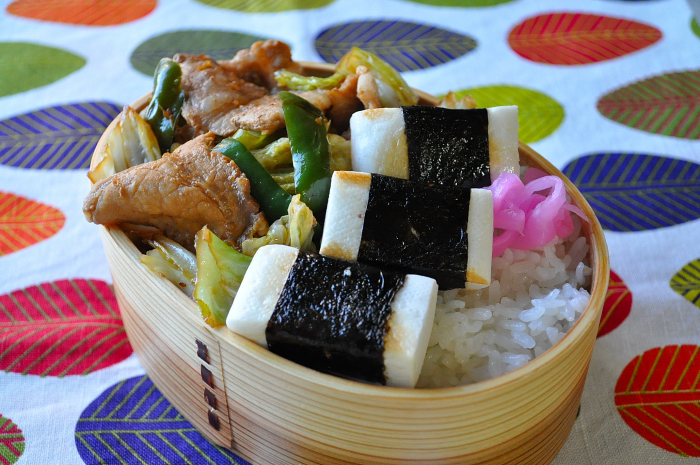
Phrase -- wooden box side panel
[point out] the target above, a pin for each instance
(164, 336)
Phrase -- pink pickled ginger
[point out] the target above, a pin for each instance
(530, 215)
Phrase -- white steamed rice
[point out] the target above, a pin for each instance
(534, 298)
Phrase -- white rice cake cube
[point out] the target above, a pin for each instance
(503, 140)
(345, 214)
(479, 238)
(410, 325)
(378, 142)
(259, 291)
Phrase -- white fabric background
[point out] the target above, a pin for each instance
(47, 408)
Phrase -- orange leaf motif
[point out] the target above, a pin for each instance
(579, 38)
(24, 222)
(87, 12)
(618, 304)
(657, 396)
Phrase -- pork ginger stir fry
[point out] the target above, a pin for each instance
(179, 194)
(205, 104)
(224, 96)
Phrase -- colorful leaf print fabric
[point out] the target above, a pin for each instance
(67, 327)
(538, 114)
(608, 91)
(637, 192)
(687, 282)
(461, 3)
(24, 222)
(61, 137)
(11, 441)
(132, 423)
(405, 45)
(33, 65)
(579, 38)
(618, 304)
(657, 396)
(220, 45)
(90, 13)
(266, 6)
(668, 104)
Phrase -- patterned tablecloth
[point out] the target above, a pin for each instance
(608, 90)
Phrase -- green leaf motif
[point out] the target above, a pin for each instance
(687, 282)
(220, 45)
(695, 27)
(462, 3)
(266, 6)
(27, 66)
(666, 104)
(538, 114)
(11, 441)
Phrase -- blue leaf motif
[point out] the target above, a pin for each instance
(55, 138)
(638, 192)
(132, 423)
(406, 46)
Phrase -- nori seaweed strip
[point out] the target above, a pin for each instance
(332, 316)
(414, 228)
(447, 147)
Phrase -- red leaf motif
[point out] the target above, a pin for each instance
(88, 12)
(579, 38)
(618, 304)
(67, 327)
(657, 396)
(24, 222)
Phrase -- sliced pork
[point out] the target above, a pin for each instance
(179, 194)
(213, 91)
(259, 63)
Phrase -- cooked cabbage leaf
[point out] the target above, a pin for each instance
(220, 270)
(130, 143)
(295, 229)
(393, 90)
(172, 261)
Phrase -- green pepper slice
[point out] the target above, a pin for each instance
(294, 81)
(164, 110)
(272, 198)
(306, 129)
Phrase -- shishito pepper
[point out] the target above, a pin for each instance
(164, 110)
(272, 198)
(306, 129)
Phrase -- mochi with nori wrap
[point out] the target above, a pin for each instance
(335, 316)
(451, 147)
(444, 233)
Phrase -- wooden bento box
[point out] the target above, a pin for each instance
(272, 411)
